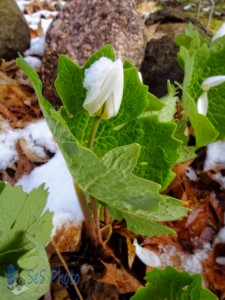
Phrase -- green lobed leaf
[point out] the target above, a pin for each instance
(167, 112)
(24, 234)
(110, 179)
(171, 284)
(201, 60)
(131, 125)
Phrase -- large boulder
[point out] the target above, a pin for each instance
(83, 27)
(160, 63)
(14, 30)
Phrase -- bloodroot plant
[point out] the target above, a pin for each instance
(120, 143)
(113, 142)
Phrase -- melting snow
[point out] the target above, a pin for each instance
(215, 156)
(62, 199)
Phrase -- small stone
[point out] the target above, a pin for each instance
(14, 33)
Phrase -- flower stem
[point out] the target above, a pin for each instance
(93, 200)
(88, 221)
(107, 217)
(93, 132)
(97, 223)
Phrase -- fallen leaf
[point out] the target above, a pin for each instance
(31, 154)
(68, 238)
(106, 232)
(117, 275)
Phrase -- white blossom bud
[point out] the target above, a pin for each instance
(104, 82)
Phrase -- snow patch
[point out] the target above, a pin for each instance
(34, 62)
(36, 47)
(191, 263)
(62, 199)
(215, 156)
(37, 136)
(191, 174)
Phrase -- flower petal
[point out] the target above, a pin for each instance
(220, 32)
(94, 78)
(104, 95)
(202, 104)
(212, 81)
(147, 256)
(114, 101)
(140, 77)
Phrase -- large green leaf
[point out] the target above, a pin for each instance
(171, 284)
(110, 178)
(131, 125)
(25, 230)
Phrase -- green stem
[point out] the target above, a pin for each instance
(93, 200)
(93, 132)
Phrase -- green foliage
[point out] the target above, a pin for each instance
(24, 232)
(131, 125)
(171, 284)
(125, 146)
(201, 59)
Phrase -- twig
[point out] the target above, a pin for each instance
(211, 13)
(198, 9)
(67, 270)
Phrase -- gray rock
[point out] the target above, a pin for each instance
(83, 27)
(14, 30)
(160, 63)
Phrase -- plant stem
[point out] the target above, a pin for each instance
(107, 216)
(93, 132)
(93, 200)
(88, 221)
(97, 223)
(67, 269)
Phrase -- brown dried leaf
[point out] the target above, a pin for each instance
(118, 276)
(7, 66)
(30, 154)
(192, 216)
(17, 102)
(131, 252)
(68, 238)
(146, 7)
(24, 166)
(130, 247)
(151, 32)
(106, 232)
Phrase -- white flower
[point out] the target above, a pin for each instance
(202, 104)
(104, 82)
(140, 77)
(212, 81)
(147, 256)
(220, 32)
